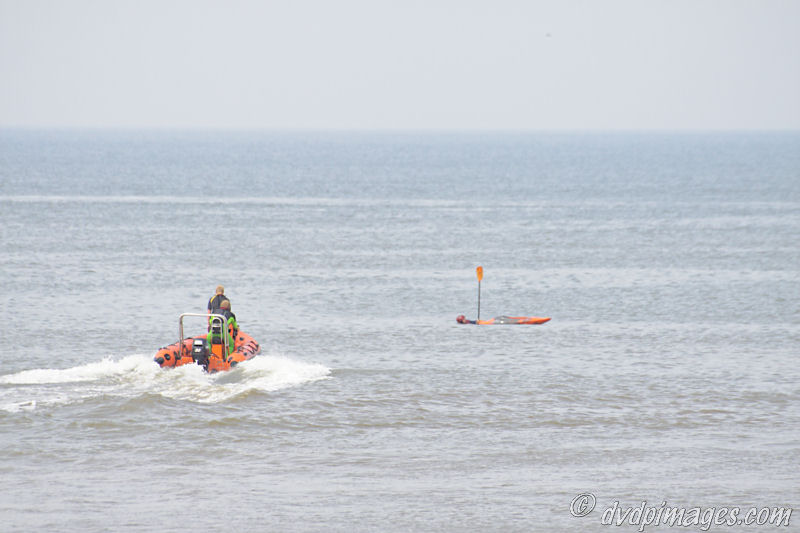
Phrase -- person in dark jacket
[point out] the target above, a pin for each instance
(216, 301)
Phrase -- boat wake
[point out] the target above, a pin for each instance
(137, 375)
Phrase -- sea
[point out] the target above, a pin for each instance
(667, 378)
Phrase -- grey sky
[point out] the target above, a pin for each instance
(677, 64)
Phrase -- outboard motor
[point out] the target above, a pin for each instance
(200, 352)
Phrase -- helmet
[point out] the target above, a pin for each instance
(461, 319)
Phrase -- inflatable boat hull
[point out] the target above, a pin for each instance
(180, 353)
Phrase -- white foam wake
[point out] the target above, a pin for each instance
(137, 375)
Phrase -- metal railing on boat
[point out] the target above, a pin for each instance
(212, 319)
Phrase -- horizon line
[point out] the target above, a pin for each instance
(378, 130)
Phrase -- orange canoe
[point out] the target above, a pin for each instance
(505, 320)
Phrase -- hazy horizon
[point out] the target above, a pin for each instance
(410, 130)
(382, 65)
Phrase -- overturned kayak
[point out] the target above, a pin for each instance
(197, 350)
(461, 319)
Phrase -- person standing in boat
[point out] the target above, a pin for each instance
(216, 301)
(231, 326)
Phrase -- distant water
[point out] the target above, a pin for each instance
(669, 263)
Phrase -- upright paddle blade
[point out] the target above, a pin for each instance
(479, 271)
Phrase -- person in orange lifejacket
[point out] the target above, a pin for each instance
(231, 326)
(216, 301)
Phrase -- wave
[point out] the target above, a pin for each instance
(137, 375)
(269, 201)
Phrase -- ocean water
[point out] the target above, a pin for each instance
(669, 263)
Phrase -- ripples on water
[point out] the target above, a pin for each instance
(669, 264)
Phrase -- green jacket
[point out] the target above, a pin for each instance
(231, 328)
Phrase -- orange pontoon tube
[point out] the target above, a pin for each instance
(196, 350)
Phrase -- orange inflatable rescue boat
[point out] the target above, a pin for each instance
(213, 357)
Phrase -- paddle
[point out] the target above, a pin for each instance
(479, 271)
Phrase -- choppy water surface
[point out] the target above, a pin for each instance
(668, 263)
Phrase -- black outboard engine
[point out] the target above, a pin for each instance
(200, 352)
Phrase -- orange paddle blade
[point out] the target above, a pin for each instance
(479, 271)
